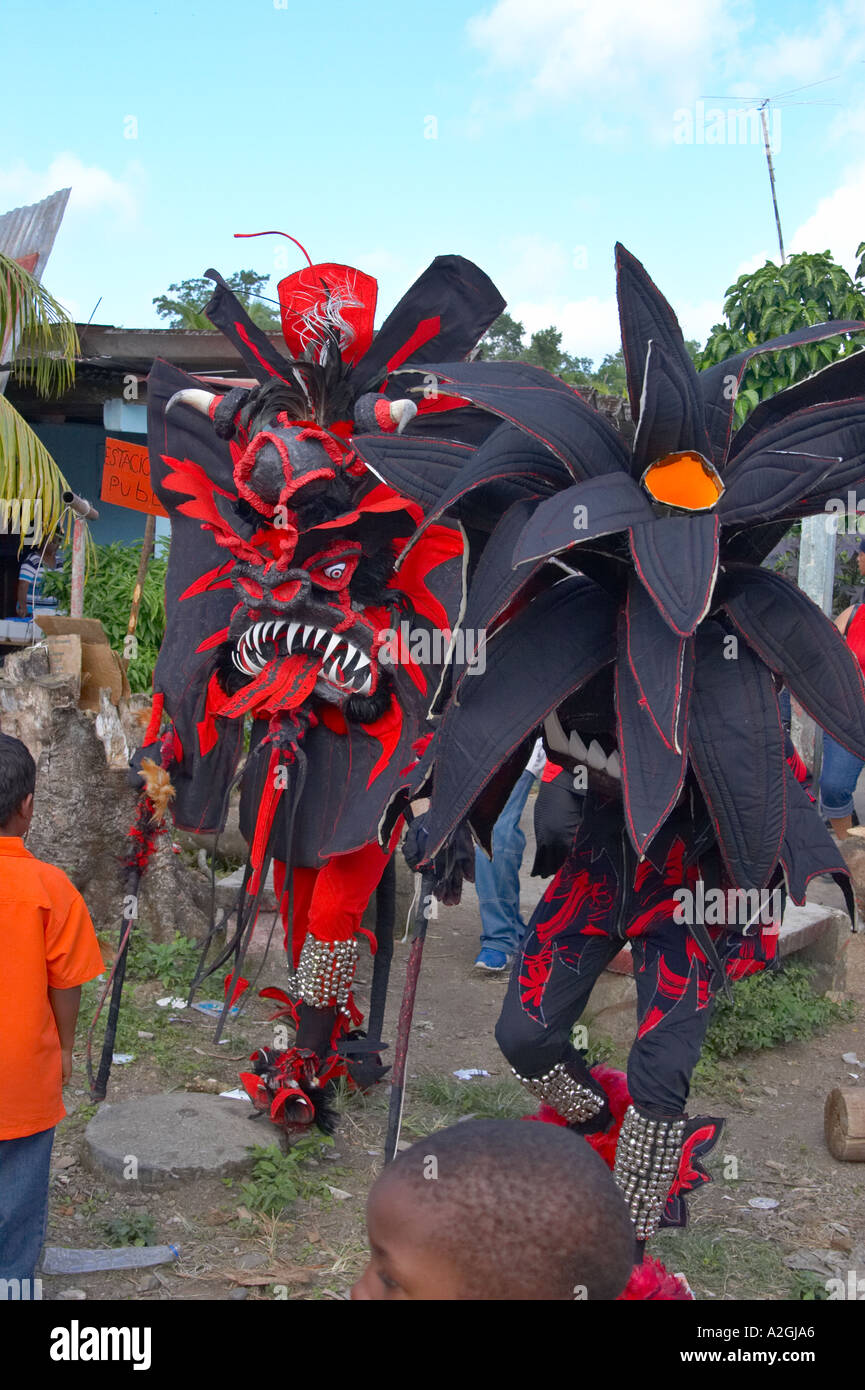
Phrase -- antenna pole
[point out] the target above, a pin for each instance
(763, 106)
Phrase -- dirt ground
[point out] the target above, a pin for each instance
(772, 1147)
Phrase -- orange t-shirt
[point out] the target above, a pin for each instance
(46, 941)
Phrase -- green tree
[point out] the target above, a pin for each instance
(503, 339)
(184, 303)
(39, 341)
(811, 288)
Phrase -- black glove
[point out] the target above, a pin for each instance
(454, 862)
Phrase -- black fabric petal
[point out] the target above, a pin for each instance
(464, 423)
(416, 466)
(508, 467)
(671, 410)
(808, 849)
(645, 316)
(677, 561)
(795, 638)
(751, 544)
(843, 380)
(737, 751)
(543, 406)
(452, 303)
(532, 664)
(595, 508)
(225, 311)
(653, 772)
(720, 384)
(794, 468)
(661, 662)
(497, 587)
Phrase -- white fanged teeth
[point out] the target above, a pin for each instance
(320, 636)
(596, 757)
(255, 637)
(363, 660)
(351, 654)
(577, 748)
(331, 646)
(310, 628)
(292, 631)
(614, 765)
(277, 628)
(367, 685)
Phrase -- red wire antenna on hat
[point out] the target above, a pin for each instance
(285, 234)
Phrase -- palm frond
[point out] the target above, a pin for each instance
(28, 473)
(35, 331)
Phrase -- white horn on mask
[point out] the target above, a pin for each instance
(401, 412)
(192, 395)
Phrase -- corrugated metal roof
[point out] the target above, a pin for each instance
(31, 230)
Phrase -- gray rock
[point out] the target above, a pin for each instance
(84, 805)
(173, 1138)
(70, 1296)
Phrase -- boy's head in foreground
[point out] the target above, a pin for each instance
(497, 1209)
(17, 784)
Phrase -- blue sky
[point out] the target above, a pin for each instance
(528, 137)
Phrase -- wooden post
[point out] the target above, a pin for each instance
(130, 642)
(83, 513)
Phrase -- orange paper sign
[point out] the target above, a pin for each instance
(126, 478)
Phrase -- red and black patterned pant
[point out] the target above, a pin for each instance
(599, 902)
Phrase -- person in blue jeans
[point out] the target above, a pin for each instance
(838, 777)
(497, 880)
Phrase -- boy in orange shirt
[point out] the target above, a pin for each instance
(48, 949)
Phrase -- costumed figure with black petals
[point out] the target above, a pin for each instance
(628, 617)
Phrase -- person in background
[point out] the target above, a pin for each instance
(33, 567)
(840, 769)
(49, 951)
(497, 880)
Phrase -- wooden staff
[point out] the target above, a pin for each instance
(129, 643)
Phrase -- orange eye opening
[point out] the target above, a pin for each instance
(687, 481)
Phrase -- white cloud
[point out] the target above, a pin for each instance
(833, 38)
(589, 327)
(584, 50)
(619, 62)
(838, 221)
(93, 189)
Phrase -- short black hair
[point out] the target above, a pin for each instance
(17, 776)
(522, 1210)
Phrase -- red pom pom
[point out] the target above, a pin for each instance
(651, 1280)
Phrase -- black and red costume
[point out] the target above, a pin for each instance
(627, 614)
(289, 573)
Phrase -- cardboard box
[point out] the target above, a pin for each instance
(100, 667)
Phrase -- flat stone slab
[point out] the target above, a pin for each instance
(172, 1138)
(801, 926)
(228, 887)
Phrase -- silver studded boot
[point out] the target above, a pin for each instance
(647, 1160)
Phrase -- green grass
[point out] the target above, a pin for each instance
(767, 1010)
(721, 1265)
(436, 1101)
(134, 1228)
(172, 963)
(279, 1179)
